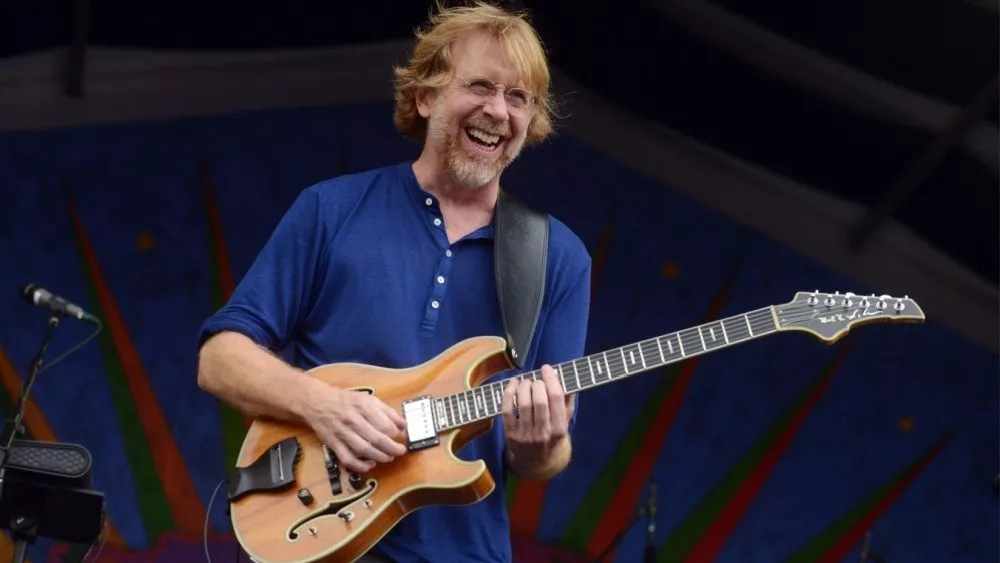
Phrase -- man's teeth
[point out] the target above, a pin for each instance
(484, 136)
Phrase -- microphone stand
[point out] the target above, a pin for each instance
(647, 509)
(23, 528)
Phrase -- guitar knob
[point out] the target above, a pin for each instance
(305, 496)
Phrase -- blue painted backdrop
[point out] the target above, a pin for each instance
(776, 449)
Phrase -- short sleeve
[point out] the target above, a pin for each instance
(272, 298)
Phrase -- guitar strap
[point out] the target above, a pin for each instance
(520, 252)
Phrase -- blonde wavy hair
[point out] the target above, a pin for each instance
(430, 64)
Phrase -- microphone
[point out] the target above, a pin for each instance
(41, 297)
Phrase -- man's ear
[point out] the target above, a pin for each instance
(424, 98)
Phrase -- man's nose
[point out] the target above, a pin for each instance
(496, 106)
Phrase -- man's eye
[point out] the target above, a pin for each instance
(518, 97)
(481, 88)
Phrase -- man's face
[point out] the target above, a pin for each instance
(472, 125)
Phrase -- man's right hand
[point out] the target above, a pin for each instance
(357, 427)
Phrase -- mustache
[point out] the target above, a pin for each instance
(491, 126)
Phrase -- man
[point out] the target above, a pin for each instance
(392, 266)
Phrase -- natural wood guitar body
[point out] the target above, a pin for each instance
(278, 527)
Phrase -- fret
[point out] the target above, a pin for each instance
(442, 414)
(647, 348)
(477, 401)
(750, 328)
(735, 330)
(593, 380)
(562, 379)
(681, 344)
(576, 374)
(763, 323)
(722, 325)
(690, 341)
(633, 358)
(607, 365)
(702, 338)
(714, 339)
(451, 411)
(659, 346)
(621, 351)
(497, 397)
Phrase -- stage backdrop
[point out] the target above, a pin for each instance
(781, 449)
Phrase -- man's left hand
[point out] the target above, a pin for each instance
(536, 416)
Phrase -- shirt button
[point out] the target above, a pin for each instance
(447, 253)
(435, 304)
(440, 279)
(437, 221)
(428, 201)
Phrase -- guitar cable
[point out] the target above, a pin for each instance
(208, 511)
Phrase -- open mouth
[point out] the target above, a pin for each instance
(486, 141)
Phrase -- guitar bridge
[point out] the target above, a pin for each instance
(421, 431)
(273, 470)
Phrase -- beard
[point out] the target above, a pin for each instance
(471, 170)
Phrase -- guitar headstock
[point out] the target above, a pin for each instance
(829, 316)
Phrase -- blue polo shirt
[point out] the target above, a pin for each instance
(360, 270)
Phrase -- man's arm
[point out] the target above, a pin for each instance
(266, 308)
(251, 379)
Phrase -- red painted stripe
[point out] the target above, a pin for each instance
(622, 507)
(227, 282)
(185, 505)
(526, 510)
(715, 537)
(839, 550)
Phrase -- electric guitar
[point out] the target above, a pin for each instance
(291, 501)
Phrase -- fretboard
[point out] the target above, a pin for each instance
(611, 365)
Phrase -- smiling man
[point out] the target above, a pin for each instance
(392, 266)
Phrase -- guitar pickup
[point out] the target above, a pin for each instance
(421, 431)
(332, 471)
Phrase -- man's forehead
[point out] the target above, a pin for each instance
(484, 56)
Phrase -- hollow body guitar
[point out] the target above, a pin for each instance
(292, 502)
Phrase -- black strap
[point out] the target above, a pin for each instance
(520, 252)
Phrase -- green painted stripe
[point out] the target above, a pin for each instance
(231, 422)
(585, 519)
(690, 531)
(153, 505)
(816, 549)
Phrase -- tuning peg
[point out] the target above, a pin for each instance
(865, 303)
(829, 302)
(848, 302)
(899, 306)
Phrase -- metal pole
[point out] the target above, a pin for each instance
(917, 172)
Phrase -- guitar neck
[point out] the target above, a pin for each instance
(611, 365)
